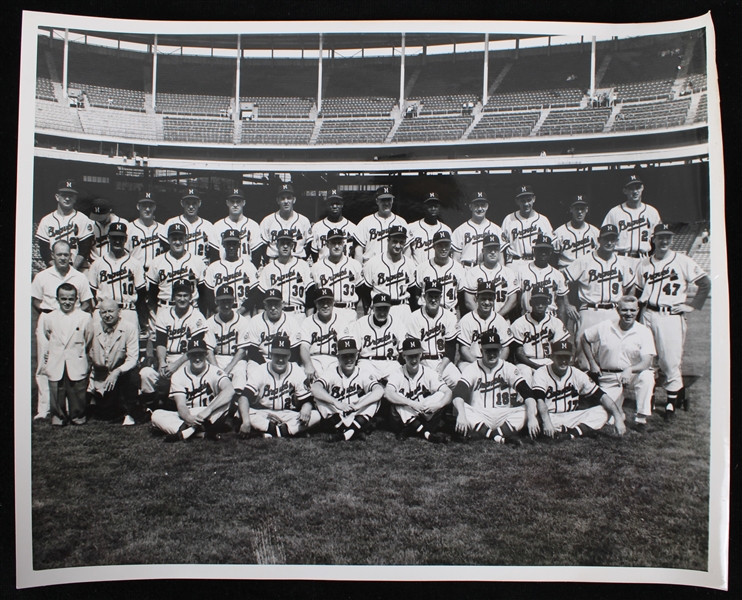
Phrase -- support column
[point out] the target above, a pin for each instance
(592, 69)
(238, 68)
(517, 46)
(65, 60)
(485, 85)
(401, 77)
(319, 77)
(154, 73)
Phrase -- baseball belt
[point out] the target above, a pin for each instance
(468, 263)
(397, 302)
(430, 356)
(659, 309)
(596, 306)
(377, 358)
(127, 305)
(343, 304)
(612, 370)
(632, 253)
(291, 308)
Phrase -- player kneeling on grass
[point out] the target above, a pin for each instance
(276, 400)
(347, 398)
(418, 396)
(202, 394)
(484, 399)
(557, 389)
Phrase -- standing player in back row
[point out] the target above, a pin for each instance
(521, 228)
(200, 237)
(468, 237)
(635, 221)
(576, 237)
(146, 234)
(284, 219)
(236, 220)
(333, 221)
(373, 230)
(422, 232)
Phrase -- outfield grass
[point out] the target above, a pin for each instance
(104, 494)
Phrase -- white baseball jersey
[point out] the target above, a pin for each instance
(117, 279)
(665, 282)
(571, 243)
(166, 270)
(450, 277)
(562, 393)
(321, 337)
(45, 284)
(199, 235)
(420, 239)
(373, 232)
(249, 234)
(298, 225)
(433, 332)
(536, 337)
(100, 236)
(491, 387)
(178, 330)
(547, 278)
(348, 389)
(472, 326)
(72, 228)
(240, 275)
(615, 349)
(424, 383)
(342, 278)
(293, 278)
(224, 337)
(600, 281)
(261, 331)
(319, 236)
(199, 390)
(503, 278)
(377, 341)
(279, 391)
(635, 226)
(386, 277)
(520, 233)
(467, 238)
(145, 242)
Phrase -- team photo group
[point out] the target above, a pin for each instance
(512, 332)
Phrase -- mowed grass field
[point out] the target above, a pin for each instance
(105, 494)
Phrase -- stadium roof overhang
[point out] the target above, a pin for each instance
(296, 41)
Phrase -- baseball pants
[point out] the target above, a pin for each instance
(152, 381)
(238, 375)
(42, 381)
(669, 338)
(450, 375)
(260, 421)
(515, 416)
(169, 421)
(594, 417)
(369, 411)
(382, 368)
(643, 384)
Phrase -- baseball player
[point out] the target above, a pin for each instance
(102, 217)
(276, 401)
(177, 264)
(576, 237)
(346, 396)
(202, 394)
(393, 274)
(338, 272)
(334, 221)
(319, 335)
(485, 399)
(373, 231)
(117, 276)
(378, 337)
(232, 270)
(67, 225)
(533, 334)
(265, 326)
(521, 228)
(289, 274)
(539, 273)
(663, 281)
(236, 220)
(491, 270)
(620, 354)
(601, 278)
(634, 219)
(421, 242)
(417, 395)
(438, 333)
(443, 270)
(145, 234)
(283, 220)
(475, 323)
(467, 238)
(557, 389)
(200, 238)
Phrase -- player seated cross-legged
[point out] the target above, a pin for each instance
(346, 396)
(557, 389)
(202, 394)
(485, 398)
(276, 401)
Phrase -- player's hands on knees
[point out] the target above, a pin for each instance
(462, 424)
(534, 429)
(305, 413)
(244, 430)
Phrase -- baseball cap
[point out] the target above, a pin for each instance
(281, 344)
(347, 346)
(334, 194)
(432, 197)
(524, 190)
(191, 192)
(182, 285)
(101, 209)
(381, 300)
(335, 233)
(324, 293)
(236, 193)
(608, 229)
(579, 199)
(432, 286)
(397, 230)
(441, 236)
(230, 234)
(273, 294)
(543, 241)
(632, 179)
(147, 197)
(478, 196)
(224, 291)
(68, 186)
(176, 228)
(663, 228)
(384, 191)
(284, 234)
(486, 287)
(117, 229)
(196, 345)
(285, 189)
(412, 345)
(490, 339)
(563, 347)
(490, 239)
(540, 292)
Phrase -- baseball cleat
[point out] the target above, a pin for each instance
(171, 438)
(128, 420)
(438, 438)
